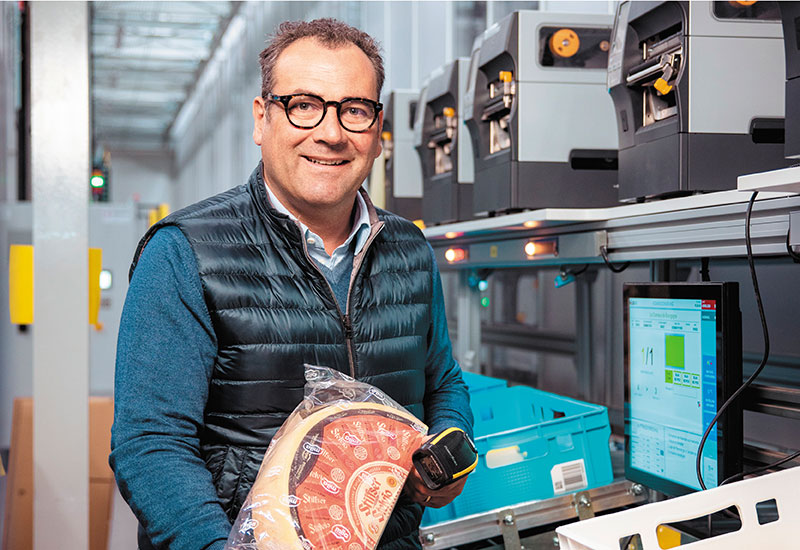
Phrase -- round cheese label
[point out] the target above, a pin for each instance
(341, 472)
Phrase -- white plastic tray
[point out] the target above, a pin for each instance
(605, 532)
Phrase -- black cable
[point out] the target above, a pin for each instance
(763, 363)
(579, 271)
(564, 270)
(614, 268)
(781, 462)
(749, 245)
(704, 274)
(792, 254)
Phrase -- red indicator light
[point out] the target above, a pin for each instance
(453, 255)
(541, 248)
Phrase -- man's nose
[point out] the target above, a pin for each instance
(329, 130)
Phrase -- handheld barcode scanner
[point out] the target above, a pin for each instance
(445, 458)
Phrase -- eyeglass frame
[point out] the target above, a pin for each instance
(285, 99)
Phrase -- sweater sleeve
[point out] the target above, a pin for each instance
(446, 396)
(165, 357)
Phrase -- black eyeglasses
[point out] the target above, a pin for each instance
(306, 111)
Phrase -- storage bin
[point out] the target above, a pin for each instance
(605, 532)
(532, 445)
(479, 382)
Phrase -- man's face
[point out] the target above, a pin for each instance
(292, 156)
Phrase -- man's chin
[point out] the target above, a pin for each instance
(325, 199)
(330, 191)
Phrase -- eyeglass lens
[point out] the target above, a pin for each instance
(307, 111)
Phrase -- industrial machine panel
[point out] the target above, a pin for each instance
(403, 171)
(790, 13)
(445, 151)
(542, 122)
(676, 69)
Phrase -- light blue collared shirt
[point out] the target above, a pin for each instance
(316, 247)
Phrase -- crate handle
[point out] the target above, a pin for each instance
(605, 531)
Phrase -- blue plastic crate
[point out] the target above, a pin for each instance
(479, 382)
(528, 442)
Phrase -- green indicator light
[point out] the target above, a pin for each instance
(97, 181)
(485, 301)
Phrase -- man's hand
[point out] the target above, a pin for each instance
(416, 488)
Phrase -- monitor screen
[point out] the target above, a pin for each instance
(680, 367)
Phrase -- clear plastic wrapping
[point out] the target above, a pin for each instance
(333, 472)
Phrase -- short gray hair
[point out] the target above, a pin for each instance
(330, 33)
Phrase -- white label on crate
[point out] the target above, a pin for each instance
(499, 458)
(568, 476)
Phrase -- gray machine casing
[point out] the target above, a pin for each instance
(563, 139)
(724, 116)
(790, 14)
(403, 170)
(447, 195)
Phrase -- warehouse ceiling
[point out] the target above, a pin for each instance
(146, 59)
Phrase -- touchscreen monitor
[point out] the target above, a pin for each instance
(683, 360)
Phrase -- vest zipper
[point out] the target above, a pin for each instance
(351, 352)
(357, 261)
(344, 318)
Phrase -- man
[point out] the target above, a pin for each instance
(231, 296)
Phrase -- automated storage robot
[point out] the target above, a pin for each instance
(542, 121)
(698, 89)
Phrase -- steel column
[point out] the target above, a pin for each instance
(584, 350)
(60, 157)
(468, 342)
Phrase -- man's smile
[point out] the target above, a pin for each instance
(325, 162)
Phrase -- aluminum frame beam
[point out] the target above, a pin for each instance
(713, 230)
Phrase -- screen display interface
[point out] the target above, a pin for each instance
(673, 387)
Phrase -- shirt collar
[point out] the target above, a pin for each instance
(359, 232)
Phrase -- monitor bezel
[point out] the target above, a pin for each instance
(729, 375)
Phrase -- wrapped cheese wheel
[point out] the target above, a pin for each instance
(333, 473)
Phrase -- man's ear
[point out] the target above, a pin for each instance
(259, 118)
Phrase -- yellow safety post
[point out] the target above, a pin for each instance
(163, 210)
(95, 267)
(20, 284)
(158, 213)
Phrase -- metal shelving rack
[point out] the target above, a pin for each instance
(711, 226)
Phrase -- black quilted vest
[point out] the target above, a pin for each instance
(273, 310)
